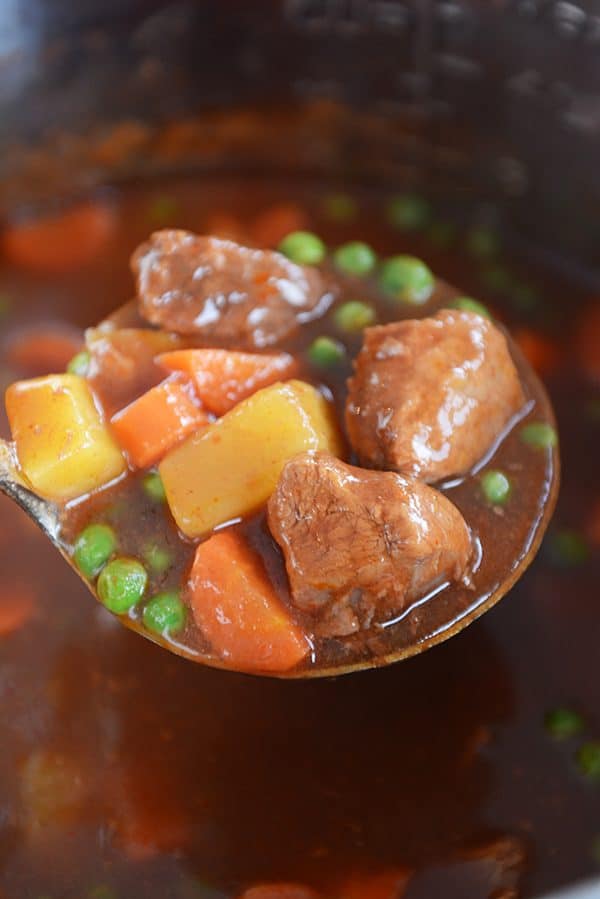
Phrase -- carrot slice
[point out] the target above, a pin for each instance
(42, 350)
(272, 225)
(17, 607)
(59, 243)
(279, 891)
(237, 609)
(587, 342)
(383, 885)
(543, 354)
(149, 822)
(223, 377)
(157, 421)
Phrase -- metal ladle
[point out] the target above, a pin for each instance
(428, 622)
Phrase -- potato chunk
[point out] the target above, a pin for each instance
(64, 448)
(232, 466)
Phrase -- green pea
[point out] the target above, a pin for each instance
(163, 209)
(154, 487)
(325, 351)
(122, 584)
(303, 247)
(467, 304)
(482, 243)
(496, 486)
(588, 759)
(441, 233)
(567, 548)
(157, 558)
(497, 278)
(524, 297)
(79, 364)
(408, 279)
(408, 212)
(101, 891)
(562, 723)
(353, 316)
(93, 548)
(340, 207)
(165, 613)
(355, 258)
(539, 435)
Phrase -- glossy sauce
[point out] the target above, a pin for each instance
(246, 780)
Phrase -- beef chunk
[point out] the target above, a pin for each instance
(430, 397)
(361, 545)
(222, 291)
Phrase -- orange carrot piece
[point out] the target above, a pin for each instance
(383, 885)
(272, 225)
(148, 826)
(225, 226)
(60, 243)
(587, 342)
(40, 351)
(279, 891)
(543, 354)
(237, 609)
(153, 424)
(223, 378)
(17, 607)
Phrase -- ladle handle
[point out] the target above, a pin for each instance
(12, 485)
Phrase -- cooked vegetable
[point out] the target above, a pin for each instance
(496, 487)
(562, 723)
(271, 226)
(354, 316)
(157, 558)
(222, 378)
(355, 258)
(340, 207)
(79, 364)
(232, 466)
(236, 607)
(93, 548)
(541, 352)
(163, 209)
(123, 363)
(17, 607)
(63, 446)
(567, 548)
(408, 279)
(153, 487)
(38, 351)
(303, 247)
(122, 584)
(325, 351)
(467, 304)
(539, 435)
(165, 613)
(156, 422)
(409, 212)
(388, 884)
(482, 242)
(588, 759)
(279, 891)
(59, 243)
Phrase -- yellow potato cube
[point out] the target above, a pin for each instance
(64, 448)
(231, 467)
